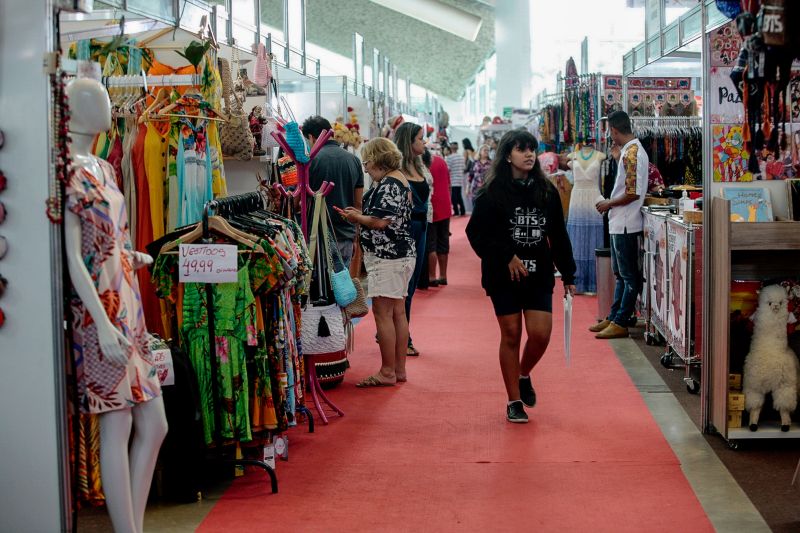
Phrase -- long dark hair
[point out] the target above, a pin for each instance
(404, 137)
(500, 179)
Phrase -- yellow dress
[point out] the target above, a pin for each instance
(155, 163)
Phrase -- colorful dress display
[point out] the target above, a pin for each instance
(103, 385)
(585, 224)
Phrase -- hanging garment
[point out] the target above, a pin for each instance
(104, 385)
(585, 224)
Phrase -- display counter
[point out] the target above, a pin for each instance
(670, 297)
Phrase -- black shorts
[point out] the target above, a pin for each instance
(511, 302)
(438, 238)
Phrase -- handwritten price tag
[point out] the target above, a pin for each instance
(208, 263)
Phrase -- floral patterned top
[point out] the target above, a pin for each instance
(390, 199)
(106, 248)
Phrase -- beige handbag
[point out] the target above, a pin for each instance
(235, 135)
(358, 308)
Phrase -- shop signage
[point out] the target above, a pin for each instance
(208, 263)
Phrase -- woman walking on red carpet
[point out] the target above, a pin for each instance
(517, 229)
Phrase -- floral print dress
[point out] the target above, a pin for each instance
(107, 253)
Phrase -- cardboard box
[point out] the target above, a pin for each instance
(735, 419)
(735, 382)
(693, 216)
(735, 401)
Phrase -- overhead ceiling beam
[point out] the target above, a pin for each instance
(439, 15)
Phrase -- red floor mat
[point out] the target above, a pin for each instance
(436, 454)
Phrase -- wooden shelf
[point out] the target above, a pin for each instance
(731, 242)
(766, 430)
(765, 236)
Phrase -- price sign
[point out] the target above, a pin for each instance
(164, 366)
(208, 263)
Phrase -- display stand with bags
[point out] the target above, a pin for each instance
(323, 331)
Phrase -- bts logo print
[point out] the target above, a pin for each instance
(527, 226)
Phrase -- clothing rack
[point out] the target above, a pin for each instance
(145, 81)
(664, 123)
(212, 342)
(225, 207)
(674, 146)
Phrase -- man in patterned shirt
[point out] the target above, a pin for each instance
(624, 210)
(456, 164)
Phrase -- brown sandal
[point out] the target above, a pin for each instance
(374, 381)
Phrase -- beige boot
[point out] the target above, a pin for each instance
(613, 331)
(600, 326)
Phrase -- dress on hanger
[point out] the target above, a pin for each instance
(106, 247)
(585, 224)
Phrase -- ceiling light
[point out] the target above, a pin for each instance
(439, 15)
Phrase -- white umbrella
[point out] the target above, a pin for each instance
(568, 328)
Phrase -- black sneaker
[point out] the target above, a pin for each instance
(515, 413)
(526, 392)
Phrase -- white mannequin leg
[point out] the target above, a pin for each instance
(149, 430)
(115, 431)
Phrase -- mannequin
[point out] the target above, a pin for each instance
(585, 224)
(116, 376)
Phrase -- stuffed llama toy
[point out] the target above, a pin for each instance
(771, 366)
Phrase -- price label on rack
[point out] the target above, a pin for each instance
(208, 263)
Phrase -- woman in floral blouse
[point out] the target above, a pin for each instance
(389, 255)
(477, 176)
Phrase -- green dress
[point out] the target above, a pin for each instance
(234, 326)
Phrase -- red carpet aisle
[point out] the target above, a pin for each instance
(436, 454)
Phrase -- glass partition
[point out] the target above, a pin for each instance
(157, 9)
(640, 56)
(672, 38)
(691, 25)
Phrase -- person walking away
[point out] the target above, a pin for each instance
(389, 255)
(455, 162)
(335, 164)
(438, 238)
(518, 231)
(625, 226)
(410, 142)
(477, 176)
(469, 161)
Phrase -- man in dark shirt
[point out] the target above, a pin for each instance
(335, 164)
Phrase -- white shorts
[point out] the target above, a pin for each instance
(388, 277)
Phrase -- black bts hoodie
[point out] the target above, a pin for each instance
(509, 223)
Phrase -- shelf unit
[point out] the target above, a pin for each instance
(735, 257)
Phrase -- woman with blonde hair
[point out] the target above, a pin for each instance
(389, 255)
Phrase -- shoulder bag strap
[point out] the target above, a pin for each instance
(329, 250)
(355, 262)
(312, 241)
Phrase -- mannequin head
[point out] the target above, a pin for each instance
(89, 105)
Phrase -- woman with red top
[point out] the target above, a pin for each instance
(438, 238)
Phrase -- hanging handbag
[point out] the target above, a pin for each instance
(322, 327)
(343, 288)
(234, 135)
(294, 138)
(358, 308)
(262, 74)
